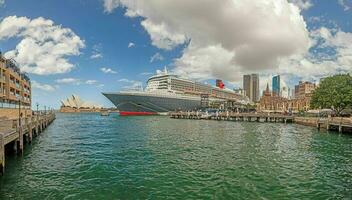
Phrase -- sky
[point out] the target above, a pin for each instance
(86, 47)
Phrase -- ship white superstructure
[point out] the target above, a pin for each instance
(167, 92)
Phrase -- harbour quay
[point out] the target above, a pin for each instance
(340, 124)
(15, 132)
(234, 116)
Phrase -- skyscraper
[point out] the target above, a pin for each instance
(276, 85)
(247, 85)
(251, 86)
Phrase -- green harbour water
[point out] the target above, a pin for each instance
(86, 156)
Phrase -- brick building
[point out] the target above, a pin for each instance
(15, 86)
(273, 103)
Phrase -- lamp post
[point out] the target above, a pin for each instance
(37, 104)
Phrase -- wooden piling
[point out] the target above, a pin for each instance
(20, 139)
(19, 129)
(2, 154)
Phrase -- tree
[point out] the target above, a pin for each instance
(334, 92)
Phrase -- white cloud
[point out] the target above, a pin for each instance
(45, 87)
(132, 84)
(125, 80)
(156, 56)
(96, 52)
(334, 55)
(223, 39)
(226, 39)
(110, 5)
(75, 81)
(44, 48)
(68, 81)
(346, 4)
(107, 70)
(91, 82)
(96, 55)
(145, 73)
(207, 63)
(131, 44)
(302, 4)
(162, 36)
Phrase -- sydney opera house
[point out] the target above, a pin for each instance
(75, 104)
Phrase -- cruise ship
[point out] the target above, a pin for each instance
(168, 92)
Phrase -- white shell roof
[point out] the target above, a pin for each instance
(74, 101)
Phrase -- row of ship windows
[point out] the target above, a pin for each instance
(216, 93)
(182, 86)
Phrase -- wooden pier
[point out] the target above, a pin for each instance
(17, 131)
(331, 124)
(234, 116)
(339, 124)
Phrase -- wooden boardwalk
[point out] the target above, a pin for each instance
(339, 124)
(233, 116)
(13, 132)
(331, 124)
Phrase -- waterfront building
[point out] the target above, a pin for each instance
(273, 103)
(251, 86)
(74, 104)
(284, 92)
(270, 102)
(15, 89)
(303, 89)
(296, 93)
(240, 91)
(276, 85)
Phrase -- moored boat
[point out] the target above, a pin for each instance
(167, 92)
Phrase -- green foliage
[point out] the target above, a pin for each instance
(334, 92)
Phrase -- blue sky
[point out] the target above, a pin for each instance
(123, 45)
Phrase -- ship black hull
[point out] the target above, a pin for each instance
(151, 104)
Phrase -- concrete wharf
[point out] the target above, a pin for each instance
(339, 124)
(15, 132)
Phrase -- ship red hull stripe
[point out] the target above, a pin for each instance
(128, 113)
